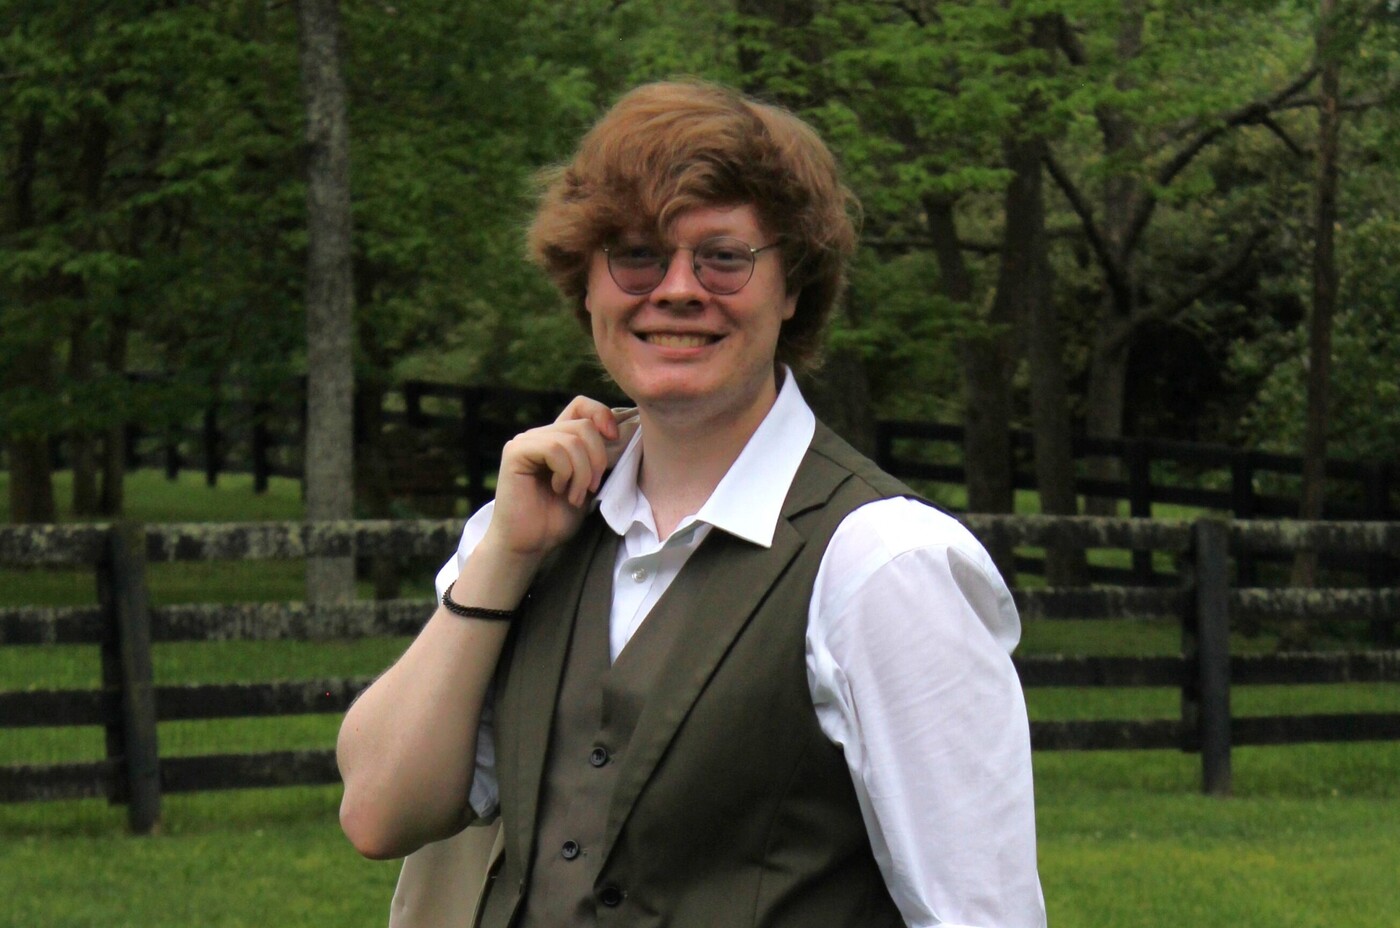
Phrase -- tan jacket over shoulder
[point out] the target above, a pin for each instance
(440, 885)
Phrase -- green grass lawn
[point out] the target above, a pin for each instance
(150, 497)
(1310, 838)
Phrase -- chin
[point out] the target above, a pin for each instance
(669, 398)
(677, 385)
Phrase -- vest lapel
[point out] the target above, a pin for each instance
(721, 587)
(546, 644)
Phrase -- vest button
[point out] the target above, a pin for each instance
(598, 756)
(610, 896)
(570, 850)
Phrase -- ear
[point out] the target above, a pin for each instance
(790, 304)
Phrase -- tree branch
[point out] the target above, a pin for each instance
(1358, 105)
(907, 243)
(1269, 123)
(1173, 307)
(1253, 112)
(915, 14)
(924, 243)
(1068, 42)
(1113, 271)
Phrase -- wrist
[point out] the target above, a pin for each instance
(476, 612)
(493, 578)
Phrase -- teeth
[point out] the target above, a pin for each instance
(678, 341)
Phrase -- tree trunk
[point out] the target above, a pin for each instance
(1325, 281)
(112, 498)
(1105, 401)
(1050, 417)
(1024, 287)
(82, 363)
(82, 443)
(31, 466)
(31, 481)
(329, 294)
(372, 480)
(986, 360)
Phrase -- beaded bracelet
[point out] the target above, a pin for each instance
(475, 612)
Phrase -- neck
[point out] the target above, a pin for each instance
(685, 458)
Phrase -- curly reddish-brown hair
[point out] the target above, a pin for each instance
(668, 147)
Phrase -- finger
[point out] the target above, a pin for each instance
(599, 458)
(627, 427)
(589, 462)
(560, 465)
(594, 447)
(574, 462)
(583, 407)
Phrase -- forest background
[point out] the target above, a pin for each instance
(1079, 215)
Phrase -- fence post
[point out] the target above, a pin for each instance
(262, 466)
(172, 453)
(126, 664)
(1139, 461)
(413, 403)
(884, 446)
(212, 450)
(1242, 505)
(1208, 645)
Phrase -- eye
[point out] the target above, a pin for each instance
(635, 254)
(723, 254)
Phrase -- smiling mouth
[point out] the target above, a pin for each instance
(669, 340)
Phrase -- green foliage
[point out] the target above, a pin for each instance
(146, 143)
(153, 208)
(453, 107)
(1365, 408)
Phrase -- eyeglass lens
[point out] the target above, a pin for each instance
(722, 265)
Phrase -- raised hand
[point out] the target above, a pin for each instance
(548, 474)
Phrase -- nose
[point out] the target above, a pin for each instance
(680, 288)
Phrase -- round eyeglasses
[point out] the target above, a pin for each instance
(722, 265)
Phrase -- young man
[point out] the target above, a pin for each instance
(710, 666)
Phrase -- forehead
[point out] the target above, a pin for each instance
(699, 223)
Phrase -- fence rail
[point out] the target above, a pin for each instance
(130, 704)
(463, 428)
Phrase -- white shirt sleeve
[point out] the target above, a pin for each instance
(908, 658)
(485, 791)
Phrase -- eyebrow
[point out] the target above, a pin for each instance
(642, 238)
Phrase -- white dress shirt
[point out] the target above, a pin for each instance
(909, 635)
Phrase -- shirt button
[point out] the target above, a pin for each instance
(610, 896)
(639, 574)
(598, 756)
(570, 850)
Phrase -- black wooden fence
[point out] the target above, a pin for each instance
(130, 703)
(466, 427)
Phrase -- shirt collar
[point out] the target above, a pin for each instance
(749, 498)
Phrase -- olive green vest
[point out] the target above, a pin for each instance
(689, 784)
